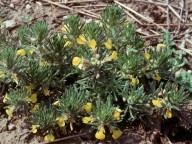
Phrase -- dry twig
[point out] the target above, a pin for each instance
(65, 138)
(76, 1)
(176, 14)
(68, 8)
(168, 18)
(134, 18)
(158, 3)
(138, 14)
(133, 11)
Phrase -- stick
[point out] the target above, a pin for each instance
(174, 25)
(181, 14)
(168, 19)
(168, 140)
(187, 12)
(176, 14)
(65, 138)
(158, 3)
(76, 1)
(150, 36)
(87, 6)
(163, 9)
(1, 3)
(154, 32)
(92, 13)
(145, 34)
(189, 41)
(186, 32)
(133, 11)
(68, 8)
(136, 13)
(133, 17)
(186, 50)
(98, 9)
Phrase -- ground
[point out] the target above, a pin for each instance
(150, 18)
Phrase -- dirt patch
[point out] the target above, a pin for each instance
(16, 131)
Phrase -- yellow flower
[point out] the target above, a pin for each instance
(61, 122)
(68, 43)
(15, 78)
(44, 63)
(81, 39)
(64, 28)
(46, 92)
(126, 23)
(9, 111)
(49, 138)
(159, 46)
(33, 98)
(100, 134)
(88, 107)
(117, 114)
(34, 128)
(134, 81)
(147, 56)
(2, 74)
(5, 98)
(92, 44)
(169, 113)
(157, 78)
(116, 133)
(1, 20)
(29, 89)
(21, 52)
(114, 56)
(57, 103)
(31, 51)
(108, 44)
(87, 119)
(157, 103)
(76, 61)
(35, 108)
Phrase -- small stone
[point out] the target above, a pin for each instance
(9, 23)
(11, 127)
(178, 73)
(65, 17)
(12, 5)
(189, 71)
(28, 7)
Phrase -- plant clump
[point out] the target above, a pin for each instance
(98, 74)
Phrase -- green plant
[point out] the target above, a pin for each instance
(137, 102)
(184, 78)
(44, 118)
(104, 114)
(98, 74)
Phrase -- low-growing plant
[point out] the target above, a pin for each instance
(98, 74)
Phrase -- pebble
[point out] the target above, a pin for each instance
(12, 5)
(11, 127)
(28, 7)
